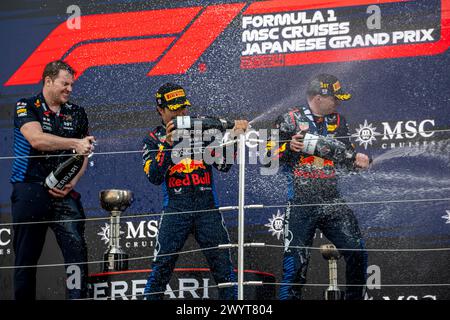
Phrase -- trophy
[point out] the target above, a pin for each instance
(115, 201)
(330, 253)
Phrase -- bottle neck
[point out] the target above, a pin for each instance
(205, 123)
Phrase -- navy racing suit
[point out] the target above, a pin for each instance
(312, 180)
(188, 186)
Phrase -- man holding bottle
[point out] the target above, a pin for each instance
(190, 201)
(313, 181)
(47, 129)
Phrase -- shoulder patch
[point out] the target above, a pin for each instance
(22, 112)
(21, 109)
(37, 103)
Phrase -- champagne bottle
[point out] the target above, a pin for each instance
(327, 148)
(207, 123)
(65, 172)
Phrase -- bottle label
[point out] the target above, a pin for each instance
(51, 181)
(68, 177)
(310, 143)
(183, 122)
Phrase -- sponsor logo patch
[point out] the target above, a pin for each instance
(174, 94)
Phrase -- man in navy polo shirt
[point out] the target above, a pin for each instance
(48, 125)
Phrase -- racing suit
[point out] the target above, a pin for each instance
(31, 201)
(312, 180)
(188, 190)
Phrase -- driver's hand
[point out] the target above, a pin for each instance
(296, 143)
(170, 126)
(362, 161)
(240, 126)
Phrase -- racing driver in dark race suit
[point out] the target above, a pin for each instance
(313, 181)
(188, 186)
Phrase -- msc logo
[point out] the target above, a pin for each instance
(276, 224)
(5, 237)
(365, 135)
(396, 134)
(105, 233)
(5, 240)
(136, 235)
(447, 216)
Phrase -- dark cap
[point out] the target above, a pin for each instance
(327, 85)
(171, 96)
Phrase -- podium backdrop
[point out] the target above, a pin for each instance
(251, 60)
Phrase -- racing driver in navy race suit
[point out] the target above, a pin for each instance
(188, 186)
(312, 180)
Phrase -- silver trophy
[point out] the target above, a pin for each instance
(330, 253)
(115, 201)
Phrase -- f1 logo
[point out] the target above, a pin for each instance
(183, 34)
(175, 39)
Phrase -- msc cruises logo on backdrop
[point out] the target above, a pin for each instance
(408, 133)
(366, 134)
(138, 235)
(105, 233)
(5, 241)
(447, 216)
(276, 224)
(273, 33)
